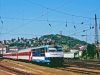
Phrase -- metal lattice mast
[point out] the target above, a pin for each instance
(96, 32)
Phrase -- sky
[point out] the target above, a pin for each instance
(35, 18)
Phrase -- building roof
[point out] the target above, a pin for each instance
(70, 52)
(2, 46)
(14, 47)
(79, 47)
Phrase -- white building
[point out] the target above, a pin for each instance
(78, 48)
(3, 49)
(13, 49)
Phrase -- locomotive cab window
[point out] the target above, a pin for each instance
(42, 51)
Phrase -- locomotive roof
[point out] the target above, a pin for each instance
(28, 49)
(51, 46)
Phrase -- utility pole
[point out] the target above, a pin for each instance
(96, 32)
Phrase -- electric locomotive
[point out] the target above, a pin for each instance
(48, 54)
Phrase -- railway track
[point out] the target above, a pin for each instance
(84, 64)
(36, 69)
(88, 67)
(71, 65)
(93, 61)
(14, 71)
(77, 60)
(81, 71)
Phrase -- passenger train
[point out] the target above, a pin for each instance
(44, 54)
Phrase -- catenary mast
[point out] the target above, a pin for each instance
(96, 39)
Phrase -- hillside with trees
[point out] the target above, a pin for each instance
(64, 40)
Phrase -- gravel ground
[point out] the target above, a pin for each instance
(2, 72)
(33, 68)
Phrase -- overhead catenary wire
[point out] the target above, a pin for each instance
(52, 21)
(55, 21)
(20, 12)
(75, 31)
(46, 20)
(28, 22)
(77, 16)
(36, 18)
(50, 8)
(61, 22)
(58, 8)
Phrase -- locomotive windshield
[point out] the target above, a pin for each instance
(52, 49)
(57, 49)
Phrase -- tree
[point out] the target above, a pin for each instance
(36, 38)
(91, 50)
(12, 40)
(84, 54)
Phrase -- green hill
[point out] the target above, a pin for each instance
(64, 40)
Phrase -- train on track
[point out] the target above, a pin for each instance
(44, 54)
